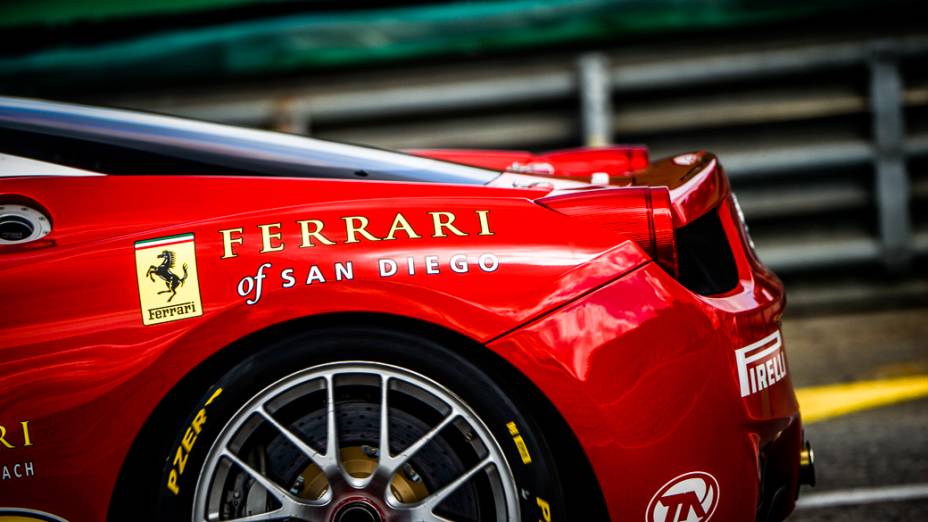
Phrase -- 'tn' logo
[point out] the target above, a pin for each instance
(691, 497)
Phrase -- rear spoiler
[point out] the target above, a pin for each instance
(695, 180)
(573, 164)
(650, 205)
(620, 189)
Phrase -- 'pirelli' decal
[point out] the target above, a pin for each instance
(167, 275)
(761, 364)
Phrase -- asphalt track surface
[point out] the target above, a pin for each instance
(867, 375)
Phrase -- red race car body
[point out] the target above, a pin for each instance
(637, 313)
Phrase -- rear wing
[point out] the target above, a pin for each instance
(571, 164)
(695, 181)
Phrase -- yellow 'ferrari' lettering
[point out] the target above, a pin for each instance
(276, 237)
(400, 223)
(3, 438)
(267, 236)
(5, 435)
(438, 224)
(228, 241)
(309, 234)
(27, 441)
(484, 222)
(355, 225)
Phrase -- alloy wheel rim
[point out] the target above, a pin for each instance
(440, 457)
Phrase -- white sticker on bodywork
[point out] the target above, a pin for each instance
(761, 364)
(691, 497)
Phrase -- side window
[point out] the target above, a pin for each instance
(99, 157)
(137, 148)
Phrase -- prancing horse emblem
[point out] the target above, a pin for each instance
(171, 280)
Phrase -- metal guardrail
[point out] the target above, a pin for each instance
(597, 79)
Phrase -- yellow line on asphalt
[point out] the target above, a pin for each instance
(819, 403)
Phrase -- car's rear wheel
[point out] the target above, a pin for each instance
(359, 425)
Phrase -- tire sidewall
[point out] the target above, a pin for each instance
(526, 451)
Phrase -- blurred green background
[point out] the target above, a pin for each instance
(64, 45)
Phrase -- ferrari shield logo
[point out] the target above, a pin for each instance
(167, 274)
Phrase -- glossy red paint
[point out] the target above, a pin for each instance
(640, 214)
(652, 390)
(642, 369)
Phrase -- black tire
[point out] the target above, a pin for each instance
(523, 445)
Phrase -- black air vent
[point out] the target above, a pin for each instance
(706, 263)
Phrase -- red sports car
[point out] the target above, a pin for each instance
(208, 323)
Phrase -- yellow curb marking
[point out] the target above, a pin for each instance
(820, 403)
